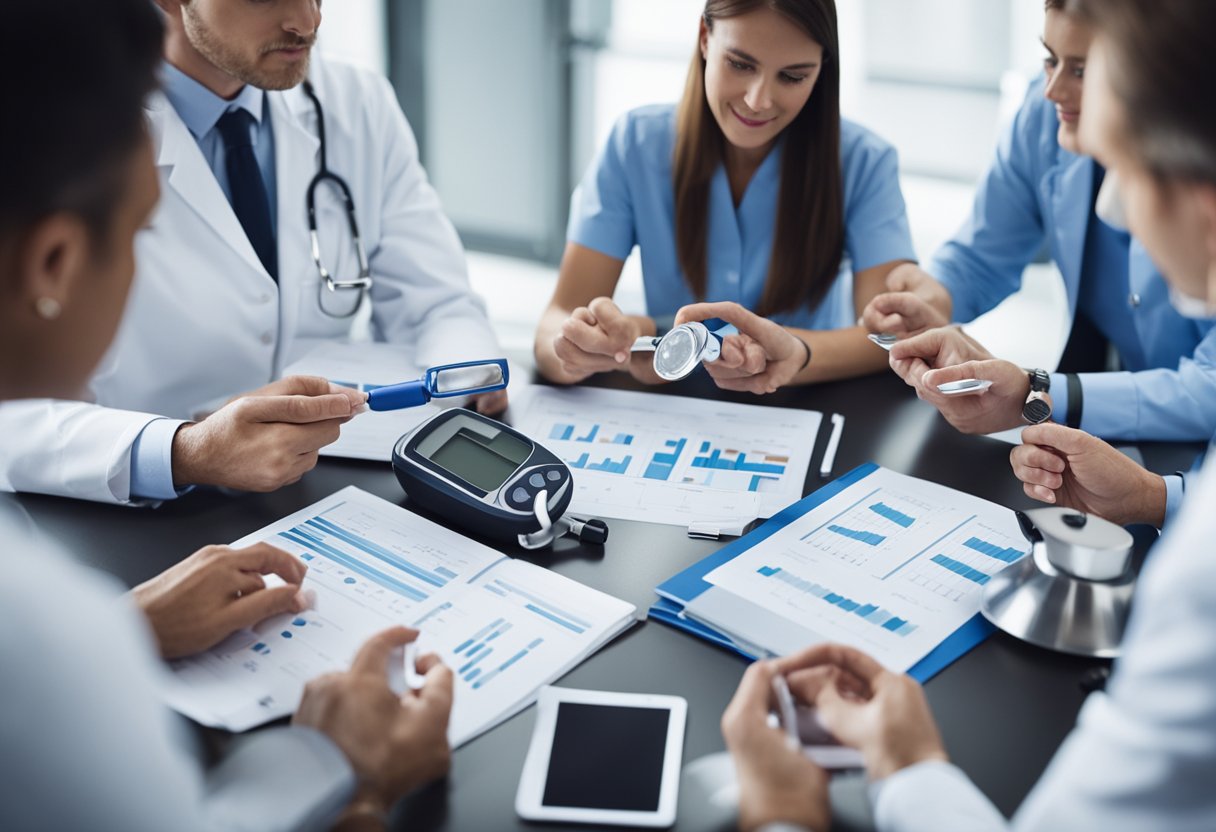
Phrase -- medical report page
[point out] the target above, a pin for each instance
(504, 627)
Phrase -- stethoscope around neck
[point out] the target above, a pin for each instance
(329, 283)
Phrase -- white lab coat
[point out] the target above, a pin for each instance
(205, 321)
(87, 743)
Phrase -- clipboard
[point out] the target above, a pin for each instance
(680, 589)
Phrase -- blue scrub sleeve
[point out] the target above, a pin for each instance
(983, 264)
(1174, 489)
(601, 210)
(152, 461)
(876, 220)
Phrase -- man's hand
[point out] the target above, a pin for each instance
(199, 602)
(762, 358)
(776, 782)
(949, 354)
(596, 338)
(914, 302)
(883, 715)
(1070, 468)
(394, 744)
(265, 439)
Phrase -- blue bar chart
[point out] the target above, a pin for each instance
(869, 538)
(662, 463)
(563, 432)
(608, 465)
(894, 515)
(871, 613)
(960, 568)
(1001, 553)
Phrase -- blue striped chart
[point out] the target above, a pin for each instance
(872, 613)
(544, 609)
(960, 568)
(478, 681)
(662, 464)
(869, 538)
(1008, 555)
(894, 515)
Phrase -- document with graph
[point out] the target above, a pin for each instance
(504, 627)
(890, 564)
(672, 459)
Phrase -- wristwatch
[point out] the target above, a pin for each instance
(1037, 408)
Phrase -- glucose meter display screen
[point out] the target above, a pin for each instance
(484, 462)
(607, 757)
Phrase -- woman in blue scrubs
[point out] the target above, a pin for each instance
(751, 190)
(1041, 193)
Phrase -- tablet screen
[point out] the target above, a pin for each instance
(606, 757)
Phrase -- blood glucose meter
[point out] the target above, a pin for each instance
(483, 475)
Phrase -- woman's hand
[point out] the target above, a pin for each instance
(199, 602)
(762, 358)
(596, 338)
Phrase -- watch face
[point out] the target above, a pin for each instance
(1036, 410)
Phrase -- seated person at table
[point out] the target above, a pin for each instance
(85, 742)
(751, 190)
(1143, 752)
(228, 293)
(1040, 193)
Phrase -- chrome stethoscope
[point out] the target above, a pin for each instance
(364, 281)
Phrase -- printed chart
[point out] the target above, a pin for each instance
(373, 565)
(892, 565)
(644, 456)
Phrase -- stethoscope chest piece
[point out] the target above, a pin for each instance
(679, 352)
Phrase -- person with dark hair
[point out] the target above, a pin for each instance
(1143, 753)
(752, 193)
(1044, 192)
(234, 285)
(86, 741)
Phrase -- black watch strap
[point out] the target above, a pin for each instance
(1037, 408)
(1076, 400)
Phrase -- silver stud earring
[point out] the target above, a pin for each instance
(48, 308)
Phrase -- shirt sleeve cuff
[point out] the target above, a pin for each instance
(1175, 487)
(152, 461)
(933, 795)
(1059, 398)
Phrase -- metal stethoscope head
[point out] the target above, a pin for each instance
(678, 353)
(330, 284)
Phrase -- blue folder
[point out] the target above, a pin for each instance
(680, 589)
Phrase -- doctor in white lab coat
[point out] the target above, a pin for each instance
(207, 320)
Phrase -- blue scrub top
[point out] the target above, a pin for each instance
(627, 198)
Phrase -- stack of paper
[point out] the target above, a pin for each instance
(505, 627)
(887, 563)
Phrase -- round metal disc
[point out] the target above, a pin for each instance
(677, 354)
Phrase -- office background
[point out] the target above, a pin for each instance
(511, 100)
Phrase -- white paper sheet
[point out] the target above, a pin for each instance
(373, 565)
(891, 565)
(671, 459)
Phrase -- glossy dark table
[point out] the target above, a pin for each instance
(1003, 708)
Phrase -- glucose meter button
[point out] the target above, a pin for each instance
(536, 481)
(519, 495)
(554, 475)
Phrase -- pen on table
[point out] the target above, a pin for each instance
(413, 680)
(829, 453)
(785, 711)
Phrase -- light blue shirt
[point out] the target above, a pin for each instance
(627, 198)
(1037, 195)
(200, 109)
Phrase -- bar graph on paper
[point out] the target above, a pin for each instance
(636, 451)
(891, 564)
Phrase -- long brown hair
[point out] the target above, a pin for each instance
(808, 242)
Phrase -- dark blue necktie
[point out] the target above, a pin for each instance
(249, 199)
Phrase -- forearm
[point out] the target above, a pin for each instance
(838, 354)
